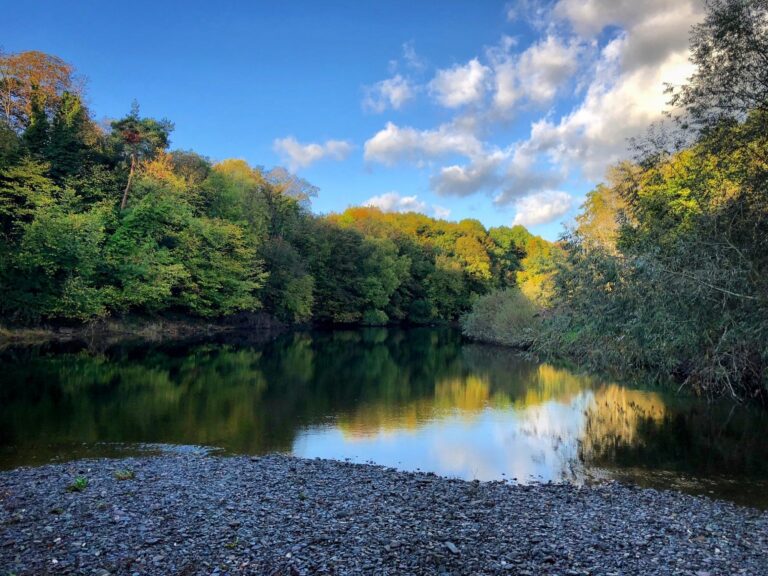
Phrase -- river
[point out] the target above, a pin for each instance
(413, 399)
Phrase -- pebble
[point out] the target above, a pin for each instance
(190, 513)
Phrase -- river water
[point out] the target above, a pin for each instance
(416, 399)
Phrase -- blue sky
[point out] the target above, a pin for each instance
(508, 112)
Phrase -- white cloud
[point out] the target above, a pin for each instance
(393, 144)
(390, 93)
(534, 12)
(394, 202)
(588, 17)
(441, 212)
(460, 85)
(480, 174)
(606, 60)
(542, 207)
(412, 59)
(537, 74)
(624, 96)
(298, 155)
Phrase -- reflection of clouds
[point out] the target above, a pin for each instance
(538, 442)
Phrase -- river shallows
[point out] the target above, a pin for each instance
(411, 399)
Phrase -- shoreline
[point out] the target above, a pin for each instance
(114, 330)
(154, 329)
(207, 514)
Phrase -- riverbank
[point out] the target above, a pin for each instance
(149, 329)
(191, 514)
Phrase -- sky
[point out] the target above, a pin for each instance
(508, 112)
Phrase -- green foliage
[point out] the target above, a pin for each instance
(125, 474)
(24, 188)
(666, 272)
(78, 484)
(288, 291)
(505, 317)
(163, 256)
(223, 271)
(95, 223)
(681, 292)
(67, 147)
(58, 264)
(37, 132)
(10, 146)
(140, 137)
(375, 318)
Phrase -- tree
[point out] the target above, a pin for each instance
(10, 146)
(37, 132)
(139, 139)
(605, 209)
(67, 148)
(23, 74)
(292, 186)
(730, 51)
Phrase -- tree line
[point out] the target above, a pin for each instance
(666, 269)
(103, 219)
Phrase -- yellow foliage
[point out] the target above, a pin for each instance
(161, 168)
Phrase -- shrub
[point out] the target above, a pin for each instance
(78, 485)
(505, 317)
(375, 318)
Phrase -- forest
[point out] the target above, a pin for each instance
(104, 220)
(665, 271)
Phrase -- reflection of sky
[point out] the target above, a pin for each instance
(531, 443)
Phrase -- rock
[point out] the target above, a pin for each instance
(452, 547)
(203, 514)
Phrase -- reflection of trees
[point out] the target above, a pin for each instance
(633, 428)
(480, 377)
(614, 417)
(254, 398)
(201, 397)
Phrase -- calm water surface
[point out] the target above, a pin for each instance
(411, 399)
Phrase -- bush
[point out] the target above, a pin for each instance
(505, 317)
(375, 318)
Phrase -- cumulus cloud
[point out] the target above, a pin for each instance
(394, 202)
(626, 92)
(460, 85)
(394, 144)
(390, 93)
(542, 207)
(534, 12)
(480, 174)
(588, 17)
(537, 74)
(605, 62)
(298, 155)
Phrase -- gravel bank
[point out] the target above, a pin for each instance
(191, 514)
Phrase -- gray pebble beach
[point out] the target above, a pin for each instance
(186, 514)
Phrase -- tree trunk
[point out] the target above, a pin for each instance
(128, 185)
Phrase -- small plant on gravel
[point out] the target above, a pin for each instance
(80, 484)
(125, 474)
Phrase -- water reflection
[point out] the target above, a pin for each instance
(413, 399)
